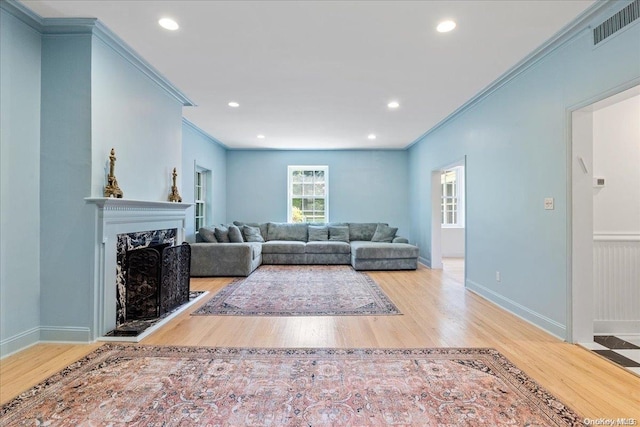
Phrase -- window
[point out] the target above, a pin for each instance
(200, 197)
(452, 181)
(308, 199)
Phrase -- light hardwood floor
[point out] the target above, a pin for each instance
(437, 312)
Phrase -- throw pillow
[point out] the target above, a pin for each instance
(222, 234)
(207, 234)
(318, 233)
(235, 235)
(252, 234)
(362, 231)
(339, 233)
(384, 233)
(262, 226)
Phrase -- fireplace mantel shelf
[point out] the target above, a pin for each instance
(110, 203)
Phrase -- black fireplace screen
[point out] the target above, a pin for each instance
(157, 280)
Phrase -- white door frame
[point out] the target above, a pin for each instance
(436, 223)
(580, 262)
(580, 288)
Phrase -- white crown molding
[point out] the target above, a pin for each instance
(51, 27)
(23, 13)
(123, 49)
(202, 133)
(573, 29)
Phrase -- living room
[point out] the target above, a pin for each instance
(69, 96)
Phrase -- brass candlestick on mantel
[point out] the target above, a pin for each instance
(112, 189)
(174, 196)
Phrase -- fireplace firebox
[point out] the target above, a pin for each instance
(157, 280)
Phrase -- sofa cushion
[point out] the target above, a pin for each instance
(376, 250)
(328, 247)
(285, 231)
(222, 234)
(362, 230)
(318, 233)
(252, 234)
(384, 233)
(235, 235)
(208, 234)
(339, 233)
(283, 247)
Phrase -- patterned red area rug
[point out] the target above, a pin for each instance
(119, 385)
(292, 290)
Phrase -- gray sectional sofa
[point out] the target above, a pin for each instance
(239, 248)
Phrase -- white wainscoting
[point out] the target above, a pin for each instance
(616, 280)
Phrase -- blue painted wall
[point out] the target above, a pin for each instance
(142, 123)
(364, 186)
(20, 49)
(66, 221)
(516, 143)
(200, 149)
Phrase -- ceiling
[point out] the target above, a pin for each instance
(319, 74)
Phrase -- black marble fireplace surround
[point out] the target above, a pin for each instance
(128, 242)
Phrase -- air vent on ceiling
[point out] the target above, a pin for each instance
(621, 19)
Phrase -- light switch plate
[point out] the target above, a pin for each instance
(548, 203)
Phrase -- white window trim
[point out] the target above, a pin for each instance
(461, 190)
(206, 178)
(290, 170)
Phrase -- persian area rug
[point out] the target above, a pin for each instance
(119, 385)
(293, 290)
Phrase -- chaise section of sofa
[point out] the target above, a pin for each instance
(383, 256)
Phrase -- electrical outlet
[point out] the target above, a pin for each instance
(497, 276)
(548, 203)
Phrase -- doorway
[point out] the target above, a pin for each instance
(605, 225)
(448, 225)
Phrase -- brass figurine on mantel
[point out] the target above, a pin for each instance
(174, 196)
(112, 189)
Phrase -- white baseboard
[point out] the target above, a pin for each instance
(39, 334)
(19, 342)
(71, 334)
(425, 261)
(614, 327)
(525, 313)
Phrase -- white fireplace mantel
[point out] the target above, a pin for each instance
(120, 216)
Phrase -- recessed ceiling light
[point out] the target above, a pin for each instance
(233, 104)
(168, 24)
(261, 136)
(371, 136)
(393, 104)
(445, 26)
